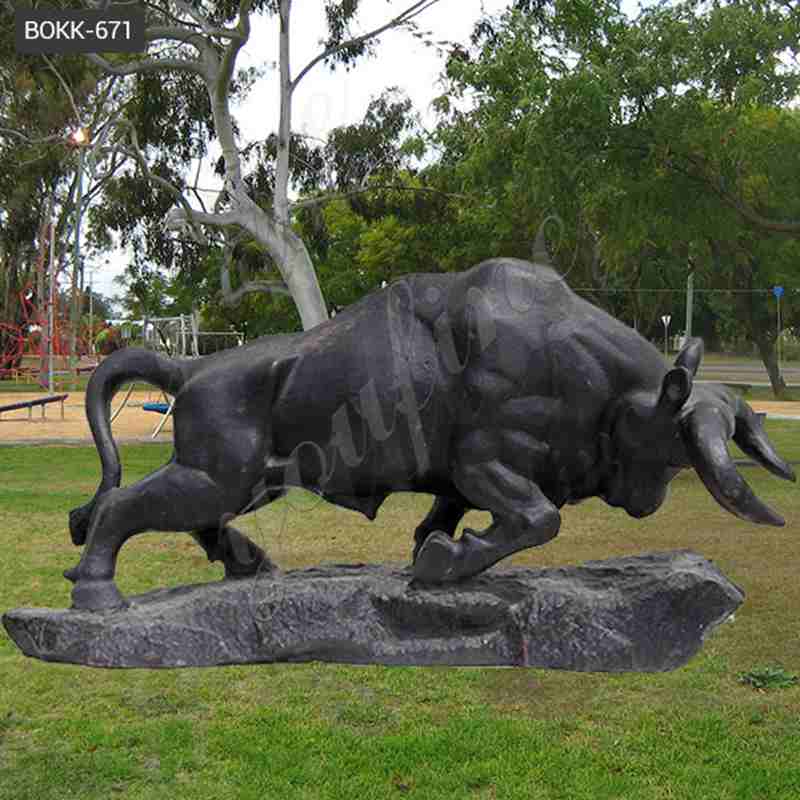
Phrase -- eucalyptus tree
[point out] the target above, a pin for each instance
(365, 212)
(203, 41)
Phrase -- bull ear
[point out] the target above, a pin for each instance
(675, 390)
(690, 356)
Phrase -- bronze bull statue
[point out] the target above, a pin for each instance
(497, 389)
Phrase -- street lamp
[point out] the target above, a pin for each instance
(81, 139)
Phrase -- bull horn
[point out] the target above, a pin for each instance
(705, 431)
(690, 356)
(752, 440)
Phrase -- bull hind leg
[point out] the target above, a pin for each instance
(241, 557)
(444, 516)
(173, 498)
(522, 517)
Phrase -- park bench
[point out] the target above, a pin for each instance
(40, 401)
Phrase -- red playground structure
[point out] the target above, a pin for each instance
(28, 341)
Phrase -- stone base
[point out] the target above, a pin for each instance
(642, 613)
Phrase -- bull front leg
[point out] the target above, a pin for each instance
(444, 516)
(522, 517)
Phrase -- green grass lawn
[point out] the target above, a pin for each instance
(330, 731)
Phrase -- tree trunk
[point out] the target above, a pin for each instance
(763, 341)
(767, 351)
(291, 257)
(273, 231)
(293, 260)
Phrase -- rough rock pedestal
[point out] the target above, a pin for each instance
(641, 613)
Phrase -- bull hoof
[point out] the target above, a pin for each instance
(437, 559)
(420, 537)
(97, 596)
(243, 558)
(444, 560)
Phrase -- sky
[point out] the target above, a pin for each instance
(326, 99)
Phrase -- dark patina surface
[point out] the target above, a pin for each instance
(497, 389)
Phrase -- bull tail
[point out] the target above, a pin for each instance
(122, 366)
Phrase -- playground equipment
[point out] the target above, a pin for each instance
(26, 348)
(181, 336)
(35, 342)
(39, 401)
(159, 408)
(177, 337)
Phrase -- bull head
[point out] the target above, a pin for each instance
(686, 425)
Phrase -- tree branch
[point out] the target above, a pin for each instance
(326, 198)
(193, 13)
(401, 19)
(791, 227)
(66, 89)
(194, 187)
(173, 33)
(149, 65)
(136, 153)
(264, 287)
(177, 217)
(28, 140)
(239, 38)
(203, 23)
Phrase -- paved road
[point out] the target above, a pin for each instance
(748, 369)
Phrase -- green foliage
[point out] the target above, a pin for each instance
(766, 678)
(108, 340)
(664, 143)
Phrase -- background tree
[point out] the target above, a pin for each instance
(664, 144)
(40, 105)
(203, 41)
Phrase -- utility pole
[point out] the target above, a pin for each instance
(689, 302)
(91, 315)
(51, 307)
(778, 292)
(79, 139)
